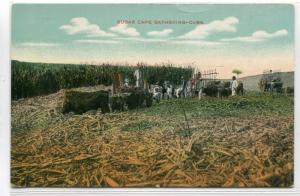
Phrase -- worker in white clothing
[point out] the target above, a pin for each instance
(137, 75)
(234, 85)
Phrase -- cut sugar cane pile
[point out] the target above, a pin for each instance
(233, 142)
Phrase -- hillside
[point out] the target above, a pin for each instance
(250, 82)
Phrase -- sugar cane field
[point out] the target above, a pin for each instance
(231, 141)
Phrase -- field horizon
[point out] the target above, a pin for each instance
(181, 65)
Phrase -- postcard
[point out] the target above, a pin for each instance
(152, 95)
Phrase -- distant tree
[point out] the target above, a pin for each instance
(237, 72)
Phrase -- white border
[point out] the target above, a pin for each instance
(4, 98)
(5, 12)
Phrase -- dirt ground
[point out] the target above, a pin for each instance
(152, 147)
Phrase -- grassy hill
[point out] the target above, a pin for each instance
(250, 82)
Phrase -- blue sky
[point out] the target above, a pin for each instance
(248, 37)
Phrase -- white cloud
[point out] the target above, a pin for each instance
(162, 33)
(266, 35)
(123, 29)
(195, 42)
(81, 25)
(93, 41)
(258, 36)
(140, 39)
(39, 44)
(204, 30)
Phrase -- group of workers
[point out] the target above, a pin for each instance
(185, 90)
(201, 84)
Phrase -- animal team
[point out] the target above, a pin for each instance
(197, 86)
